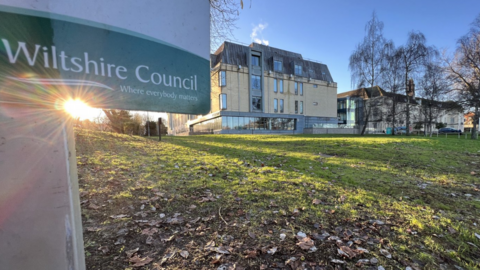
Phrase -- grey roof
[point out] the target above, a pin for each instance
(236, 54)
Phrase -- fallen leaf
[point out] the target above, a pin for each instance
(93, 206)
(167, 239)
(140, 261)
(167, 257)
(210, 246)
(477, 235)
(252, 235)
(184, 254)
(316, 201)
(104, 249)
(306, 243)
(337, 261)
(130, 253)
(149, 231)
(251, 254)
(346, 252)
(362, 262)
(452, 230)
(301, 235)
(362, 250)
(473, 173)
(119, 216)
(385, 253)
(216, 259)
(222, 250)
(272, 250)
(149, 240)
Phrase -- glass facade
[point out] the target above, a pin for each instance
(250, 123)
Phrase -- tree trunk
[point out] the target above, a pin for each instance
(394, 106)
(367, 116)
(408, 105)
(475, 122)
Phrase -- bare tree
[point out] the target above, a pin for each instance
(367, 62)
(433, 87)
(223, 15)
(392, 80)
(464, 71)
(414, 55)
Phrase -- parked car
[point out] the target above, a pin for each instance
(449, 131)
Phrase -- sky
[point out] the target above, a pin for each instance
(328, 31)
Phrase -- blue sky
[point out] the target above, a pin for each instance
(328, 31)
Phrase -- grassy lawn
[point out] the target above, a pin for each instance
(279, 202)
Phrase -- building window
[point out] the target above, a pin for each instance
(280, 86)
(301, 107)
(277, 66)
(281, 105)
(256, 82)
(298, 70)
(255, 60)
(296, 106)
(315, 85)
(222, 78)
(296, 88)
(223, 101)
(275, 85)
(257, 103)
(275, 105)
(300, 88)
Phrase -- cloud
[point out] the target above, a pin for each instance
(256, 34)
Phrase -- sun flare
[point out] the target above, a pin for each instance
(79, 109)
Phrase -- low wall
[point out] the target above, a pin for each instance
(331, 131)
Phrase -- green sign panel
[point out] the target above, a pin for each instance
(44, 58)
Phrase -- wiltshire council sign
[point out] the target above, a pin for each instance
(121, 54)
(106, 66)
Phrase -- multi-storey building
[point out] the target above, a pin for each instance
(353, 106)
(261, 89)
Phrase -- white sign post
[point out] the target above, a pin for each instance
(115, 54)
